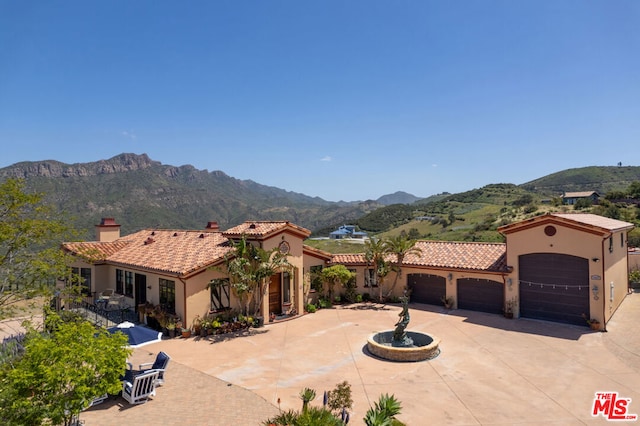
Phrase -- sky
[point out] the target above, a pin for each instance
(344, 100)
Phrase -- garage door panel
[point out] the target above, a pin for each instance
(554, 287)
(426, 288)
(480, 295)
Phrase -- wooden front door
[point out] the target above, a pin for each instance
(275, 295)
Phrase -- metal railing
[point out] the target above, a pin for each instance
(102, 314)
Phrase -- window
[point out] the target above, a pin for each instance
(286, 289)
(85, 274)
(611, 244)
(621, 240)
(128, 283)
(119, 281)
(219, 294)
(316, 277)
(370, 278)
(168, 295)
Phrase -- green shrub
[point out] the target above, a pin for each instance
(366, 297)
(324, 303)
(358, 298)
(311, 308)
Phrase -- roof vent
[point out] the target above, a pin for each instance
(149, 241)
(153, 232)
(202, 236)
(175, 234)
(252, 226)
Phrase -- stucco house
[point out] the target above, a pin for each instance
(173, 268)
(347, 231)
(571, 198)
(556, 267)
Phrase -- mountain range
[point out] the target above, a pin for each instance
(142, 193)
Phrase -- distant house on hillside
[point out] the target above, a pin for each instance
(347, 231)
(571, 198)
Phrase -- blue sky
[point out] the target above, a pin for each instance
(345, 100)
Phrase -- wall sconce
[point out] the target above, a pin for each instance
(594, 290)
(595, 259)
(450, 277)
(509, 283)
(149, 287)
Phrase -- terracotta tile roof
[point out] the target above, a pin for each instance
(262, 229)
(348, 259)
(173, 251)
(444, 254)
(587, 222)
(595, 220)
(459, 255)
(312, 251)
(95, 251)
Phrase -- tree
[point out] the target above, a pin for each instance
(336, 275)
(633, 191)
(375, 254)
(399, 246)
(61, 372)
(30, 256)
(249, 269)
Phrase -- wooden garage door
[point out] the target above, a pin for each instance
(554, 287)
(480, 295)
(426, 288)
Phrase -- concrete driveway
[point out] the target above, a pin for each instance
(491, 370)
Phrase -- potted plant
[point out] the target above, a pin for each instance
(510, 307)
(634, 278)
(196, 325)
(171, 328)
(186, 333)
(593, 323)
(447, 301)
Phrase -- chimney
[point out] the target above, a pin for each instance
(108, 230)
(212, 226)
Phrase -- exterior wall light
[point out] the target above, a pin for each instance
(595, 259)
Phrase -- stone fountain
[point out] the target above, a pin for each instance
(403, 345)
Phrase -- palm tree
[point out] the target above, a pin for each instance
(375, 252)
(249, 269)
(400, 246)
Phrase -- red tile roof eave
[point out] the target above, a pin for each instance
(572, 224)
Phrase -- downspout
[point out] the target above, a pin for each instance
(604, 299)
(184, 301)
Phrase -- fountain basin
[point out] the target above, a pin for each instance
(424, 347)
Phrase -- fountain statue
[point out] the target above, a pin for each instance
(403, 345)
(400, 337)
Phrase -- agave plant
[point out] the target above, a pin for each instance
(307, 395)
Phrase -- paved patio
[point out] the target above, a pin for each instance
(491, 371)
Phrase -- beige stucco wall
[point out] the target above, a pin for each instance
(610, 267)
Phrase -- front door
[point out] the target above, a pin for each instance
(275, 295)
(141, 289)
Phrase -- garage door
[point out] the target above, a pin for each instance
(480, 295)
(554, 287)
(426, 288)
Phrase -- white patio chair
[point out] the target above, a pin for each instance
(141, 387)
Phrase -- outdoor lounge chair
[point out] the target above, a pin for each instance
(160, 364)
(141, 387)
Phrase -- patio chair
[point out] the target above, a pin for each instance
(115, 302)
(141, 387)
(160, 364)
